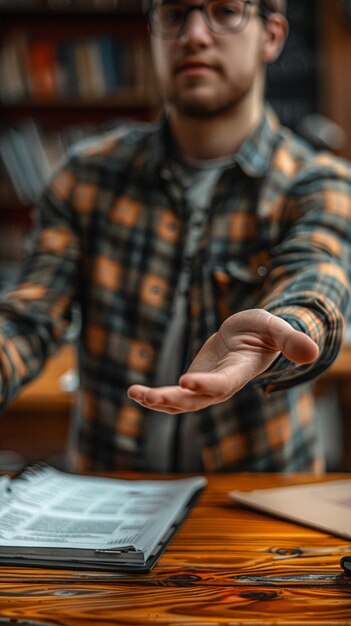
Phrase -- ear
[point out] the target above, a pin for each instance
(276, 30)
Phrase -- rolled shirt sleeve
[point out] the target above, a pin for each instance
(309, 280)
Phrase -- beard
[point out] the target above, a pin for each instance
(201, 108)
(197, 104)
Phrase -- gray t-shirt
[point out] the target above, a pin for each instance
(196, 181)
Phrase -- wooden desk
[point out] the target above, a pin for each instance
(36, 424)
(227, 566)
(45, 393)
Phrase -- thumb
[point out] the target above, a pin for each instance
(300, 348)
(294, 344)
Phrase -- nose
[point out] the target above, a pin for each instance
(195, 29)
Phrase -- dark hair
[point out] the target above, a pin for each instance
(276, 6)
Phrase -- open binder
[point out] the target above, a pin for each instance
(52, 518)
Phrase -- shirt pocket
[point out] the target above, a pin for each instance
(238, 285)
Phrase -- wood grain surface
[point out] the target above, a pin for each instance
(227, 566)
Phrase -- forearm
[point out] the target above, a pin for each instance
(35, 316)
(305, 305)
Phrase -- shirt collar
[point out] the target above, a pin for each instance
(255, 154)
(253, 157)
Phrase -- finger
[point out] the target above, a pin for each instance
(170, 399)
(259, 329)
(187, 405)
(157, 395)
(276, 334)
(294, 344)
(300, 348)
(136, 392)
(212, 384)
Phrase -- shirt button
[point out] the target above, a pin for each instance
(262, 270)
(143, 354)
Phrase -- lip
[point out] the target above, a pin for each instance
(195, 68)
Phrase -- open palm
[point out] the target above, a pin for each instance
(246, 344)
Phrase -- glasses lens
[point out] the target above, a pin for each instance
(168, 19)
(226, 14)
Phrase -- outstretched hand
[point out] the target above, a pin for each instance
(246, 344)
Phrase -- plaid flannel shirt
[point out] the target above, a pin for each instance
(109, 236)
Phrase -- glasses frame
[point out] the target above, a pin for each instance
(261, 11)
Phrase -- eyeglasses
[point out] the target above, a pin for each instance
(168, 19)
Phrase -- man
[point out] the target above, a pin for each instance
(212, 243)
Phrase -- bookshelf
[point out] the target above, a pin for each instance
(68, 69)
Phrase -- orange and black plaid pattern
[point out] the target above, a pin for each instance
(109, 238)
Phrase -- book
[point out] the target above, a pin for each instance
(51, 518)
(13, 76)
(41, 65)
(16, 153)
(325, 506)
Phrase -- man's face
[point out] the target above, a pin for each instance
(202, 74)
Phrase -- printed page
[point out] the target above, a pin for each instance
(54, 509)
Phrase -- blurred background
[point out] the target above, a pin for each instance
(71, 68)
